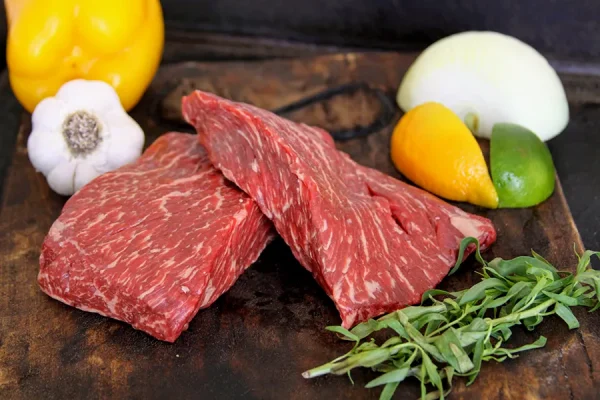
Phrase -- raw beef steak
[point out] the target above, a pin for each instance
(153, 242)
(373, 243)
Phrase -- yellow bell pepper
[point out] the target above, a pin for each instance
(52, 42)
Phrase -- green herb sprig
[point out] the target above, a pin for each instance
(451, 333)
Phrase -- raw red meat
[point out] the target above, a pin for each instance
(153, 242)
(373, 243)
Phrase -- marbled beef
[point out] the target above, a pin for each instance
(153, 242)
(373, 243)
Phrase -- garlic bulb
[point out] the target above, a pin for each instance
(487, 78)
(81, 133)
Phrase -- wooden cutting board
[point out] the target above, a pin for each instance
(255, 341)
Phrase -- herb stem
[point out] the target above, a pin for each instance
(318, 371)
(521, 315)
(448, 325)
(441, 339)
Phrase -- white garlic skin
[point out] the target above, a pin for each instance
(69, 165)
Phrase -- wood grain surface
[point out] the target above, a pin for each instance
(255, 341)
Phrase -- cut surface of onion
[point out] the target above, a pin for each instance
(488, 78)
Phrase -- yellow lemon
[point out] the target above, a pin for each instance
(432, 147)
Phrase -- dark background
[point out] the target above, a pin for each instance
(568, 32)
(563, 29)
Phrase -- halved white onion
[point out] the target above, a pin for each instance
(486, 78)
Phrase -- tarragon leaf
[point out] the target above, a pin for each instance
(541, 272)
(451, 348)
(366, 328)
(477, 358)
(427, 318)
(566, 315)
(347, 335)
(388, 391)
(396, 326)
(432, 293)
(584, 260)
(532, 322)
(415, 312)
(419, 339)
(478, 324)
(540, 258)
(463, 329)
(432, 372)
(527, 300)
(558, 285)
(516, 266)
(580, 291)
(477, 291)
(539, 343)
(394, 340)
(514, 291)
(432, 326)
(397, 375)
(454, 306)
(466, 242)
(561, 298)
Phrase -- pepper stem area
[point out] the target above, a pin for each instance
(82, 132)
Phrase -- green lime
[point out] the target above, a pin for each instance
(522, 168)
